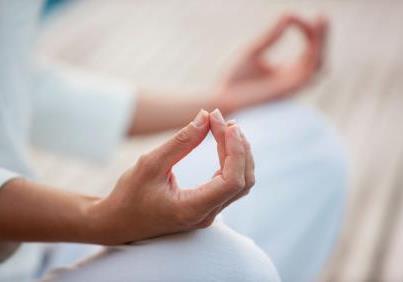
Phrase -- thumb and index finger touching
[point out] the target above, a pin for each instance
(183, 142)
(313, 31)
(231, 153)
(231, 179)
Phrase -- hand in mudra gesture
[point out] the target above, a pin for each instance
(254, 80)
(147, 201)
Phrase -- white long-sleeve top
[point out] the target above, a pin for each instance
(52, 107)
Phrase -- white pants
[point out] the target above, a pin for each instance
(293, 213)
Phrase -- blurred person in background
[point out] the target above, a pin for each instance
(292, 216)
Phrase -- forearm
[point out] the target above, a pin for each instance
(34, 212)
(157, 112)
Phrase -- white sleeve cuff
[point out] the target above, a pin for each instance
(6, 175)
(79, 114)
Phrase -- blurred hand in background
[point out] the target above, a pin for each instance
(254, 80)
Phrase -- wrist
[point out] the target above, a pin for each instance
(94, 221)
(102, 224)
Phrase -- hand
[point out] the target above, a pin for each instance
(254, 80)
(147, 201)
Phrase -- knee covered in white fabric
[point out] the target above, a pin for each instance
(213, 254)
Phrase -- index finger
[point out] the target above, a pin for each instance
(217, 126)
(274, 34)
(225, 186)
(322, 29)
(182, 143)
(313, 54)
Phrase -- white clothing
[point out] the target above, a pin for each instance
(62, 110)
(214, 254)
(293, 215)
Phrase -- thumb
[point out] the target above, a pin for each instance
(183, 142)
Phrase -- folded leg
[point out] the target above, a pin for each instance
(213, 254)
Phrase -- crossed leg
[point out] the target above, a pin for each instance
(213, 254)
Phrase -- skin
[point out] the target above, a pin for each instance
(251, 81)
(146, 201)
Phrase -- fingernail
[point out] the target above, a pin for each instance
(238, 132)
(218, 116)
(231, 122)
(199, 120)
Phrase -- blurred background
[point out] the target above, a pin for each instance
(186, 45)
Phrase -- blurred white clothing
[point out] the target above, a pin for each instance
(56, 108)
(292, 214)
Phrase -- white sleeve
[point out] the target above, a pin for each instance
(6, 175)
(79, 114)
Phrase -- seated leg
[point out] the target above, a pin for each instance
(213, 254)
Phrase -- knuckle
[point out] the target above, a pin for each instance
(183, 137)
(246, 192)
(242, 153)
(206, 223)
(287, 16)
(237, 183)
(143, 160)
(146, 164)
(251, 182)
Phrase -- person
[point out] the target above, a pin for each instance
(292, 216)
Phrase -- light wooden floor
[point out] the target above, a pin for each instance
(186, 45)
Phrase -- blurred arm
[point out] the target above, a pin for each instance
(250, 82)
(87, 115)
(157, 112)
